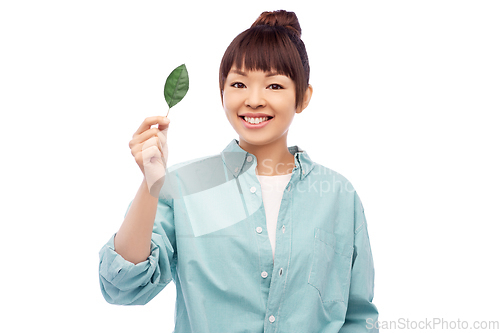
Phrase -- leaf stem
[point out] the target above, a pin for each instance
(168, 111)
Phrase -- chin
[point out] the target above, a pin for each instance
(255, 141)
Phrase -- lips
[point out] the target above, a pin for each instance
(255, 126)
(248, 118)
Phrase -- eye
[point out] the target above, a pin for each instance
(238, 85)
(275, 86)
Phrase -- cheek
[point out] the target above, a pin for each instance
(229, 102)
(285, 103)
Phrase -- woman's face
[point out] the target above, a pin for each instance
(257, 94)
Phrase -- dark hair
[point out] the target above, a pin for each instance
(271, 43)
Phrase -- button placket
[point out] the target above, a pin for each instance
(283, 243)
(276, 292)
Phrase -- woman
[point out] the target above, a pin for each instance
(258, 238)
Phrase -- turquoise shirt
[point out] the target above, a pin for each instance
(210, 238)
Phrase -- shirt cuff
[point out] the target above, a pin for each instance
(119, 275)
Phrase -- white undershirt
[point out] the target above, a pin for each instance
(272, 193)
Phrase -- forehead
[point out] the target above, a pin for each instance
(250, 72)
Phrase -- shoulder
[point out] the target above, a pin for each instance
(328, 180)
(336, 187)
(326, 175)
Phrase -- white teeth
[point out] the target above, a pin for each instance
(255, 120)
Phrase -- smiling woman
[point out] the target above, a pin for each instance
(265, 73)
(251, 216)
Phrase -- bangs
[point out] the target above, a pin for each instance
(269, 49)
(266, 49)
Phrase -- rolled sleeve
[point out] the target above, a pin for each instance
(125, 283)
(362, 314)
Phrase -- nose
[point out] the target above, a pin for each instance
(255, 99)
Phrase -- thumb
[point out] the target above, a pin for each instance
(163, 124)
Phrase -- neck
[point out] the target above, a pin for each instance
(273, 159)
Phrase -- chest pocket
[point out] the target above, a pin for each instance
(331, 267)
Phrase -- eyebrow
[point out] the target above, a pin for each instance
(236, 71)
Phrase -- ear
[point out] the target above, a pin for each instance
(307, 98)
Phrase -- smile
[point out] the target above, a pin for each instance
(255, 122)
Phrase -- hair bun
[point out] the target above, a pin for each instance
(279, 18)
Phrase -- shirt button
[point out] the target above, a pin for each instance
(283, 228)
(249, 158)
(281, 271)
(263, 274)
(272, 319)
(236, 169)
(303, 172)
(258, 229)
(253, 189)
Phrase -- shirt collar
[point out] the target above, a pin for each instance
(234, 158)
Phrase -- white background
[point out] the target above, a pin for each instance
(405, 105)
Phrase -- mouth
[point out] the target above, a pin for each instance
(255, 123)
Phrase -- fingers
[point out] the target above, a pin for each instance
(144, 132)
(163, 125)
(141, 137)
(162, 136)
(150, 154)
(149, 121)
(154, 169)
(146, 135)
(149, 148)
(152, 141)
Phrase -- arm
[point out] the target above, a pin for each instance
(362, 314)
(133, 239)
(128, 283)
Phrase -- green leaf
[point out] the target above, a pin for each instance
(176, 86)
